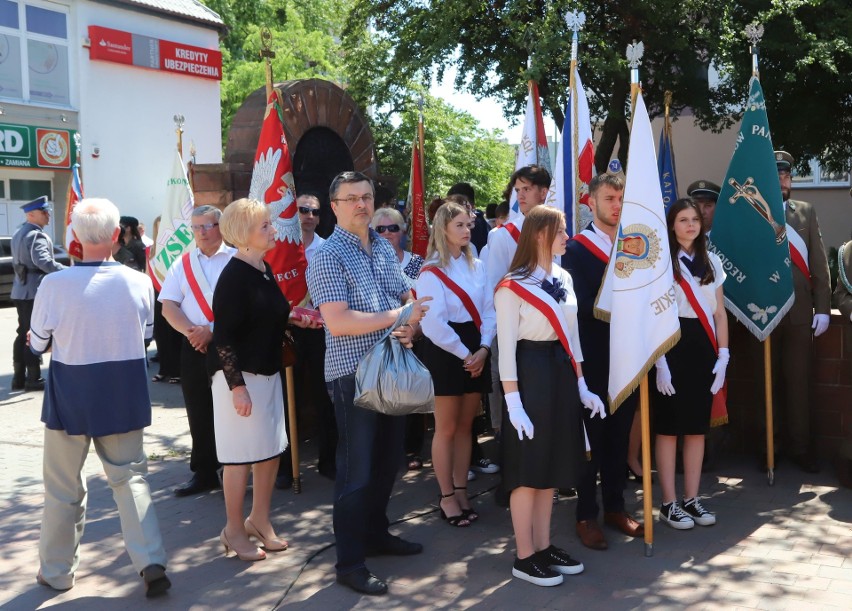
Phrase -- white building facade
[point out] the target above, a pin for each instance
(116, 72)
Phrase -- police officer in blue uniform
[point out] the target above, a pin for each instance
(32, 259)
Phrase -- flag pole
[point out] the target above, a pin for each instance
(575, 21)
(179, 121)
(634, 59)
(267, 54)
(754, 32)
(647, 500)
(420, 141)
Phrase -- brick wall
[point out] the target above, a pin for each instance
(831, 390)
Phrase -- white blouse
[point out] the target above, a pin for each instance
(684, 309)
(446, 307)
(517, 320)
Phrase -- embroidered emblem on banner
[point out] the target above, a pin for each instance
(637, 247)
(751, 194)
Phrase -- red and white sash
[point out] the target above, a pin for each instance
(696, 298)
(513, 231)
(698, 301)
(544, 303)
(798, 251)
(586, 238)
(467, 302)
(198, 283)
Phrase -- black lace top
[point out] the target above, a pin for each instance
(250, 314)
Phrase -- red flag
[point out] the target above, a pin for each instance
(419, 228)
(272, 184)
(75, 194)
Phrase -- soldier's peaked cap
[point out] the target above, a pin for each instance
(784, 160)
(703, 188)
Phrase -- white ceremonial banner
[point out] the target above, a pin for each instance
(638, 292)
(175, 236)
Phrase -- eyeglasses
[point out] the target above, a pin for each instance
(388, 228)
(354, 199)
(312, 211)
(204, 227)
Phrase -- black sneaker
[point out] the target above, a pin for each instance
(559, 561)
(483, 465)
(696, 511)
(533, 570)
(674, 516)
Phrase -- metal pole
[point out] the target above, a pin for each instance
(644, 411)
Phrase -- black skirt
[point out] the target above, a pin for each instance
(687, 412)
(548, 387)
(448, 374)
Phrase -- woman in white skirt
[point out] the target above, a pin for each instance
(250, 314)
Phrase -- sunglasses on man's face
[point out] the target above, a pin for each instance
(311, 211)
(389, 228)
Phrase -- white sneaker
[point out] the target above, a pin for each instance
(674, 516)
(696, 511)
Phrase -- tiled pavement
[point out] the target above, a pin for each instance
(783, 547)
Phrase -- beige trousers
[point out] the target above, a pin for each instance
(65, 494)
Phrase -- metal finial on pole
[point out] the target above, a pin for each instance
(635, 51)
(575, 20)
(754, 33)
(179, 121)
(268, 55)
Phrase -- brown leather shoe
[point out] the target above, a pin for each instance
(624, 522)
(591, 535)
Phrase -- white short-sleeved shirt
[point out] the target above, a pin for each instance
(176, 287)
(501, 251)
(518, 319)
(446, 307)
(708, 291)
(311, 248)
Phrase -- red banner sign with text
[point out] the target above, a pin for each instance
(120, 47)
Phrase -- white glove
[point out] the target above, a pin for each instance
(664, 377)
(719, 369)
(518, 415)
(820, 324)
(590, 400)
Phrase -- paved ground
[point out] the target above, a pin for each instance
(782, 547)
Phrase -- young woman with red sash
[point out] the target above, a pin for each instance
(542, 379)
(694, 370)
(455, 348)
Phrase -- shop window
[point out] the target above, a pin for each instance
(27, 190)
(34, 53)
(2, 189)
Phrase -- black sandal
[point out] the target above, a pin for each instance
(459, 521)
(468, 513)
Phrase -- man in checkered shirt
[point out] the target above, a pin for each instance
(355, 280)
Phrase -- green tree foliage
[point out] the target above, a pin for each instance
(499, 44)
(456, 150)
(303, 36)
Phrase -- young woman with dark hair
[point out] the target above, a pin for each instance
(694, 370)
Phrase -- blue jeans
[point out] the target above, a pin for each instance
(369, 453)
